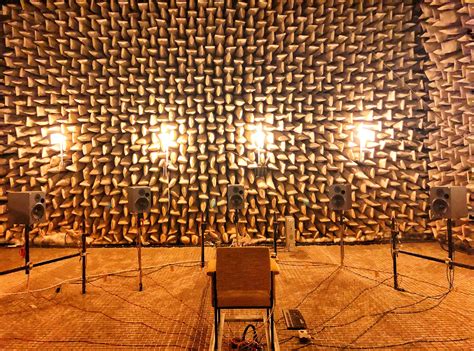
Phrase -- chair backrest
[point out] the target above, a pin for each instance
(243, 268)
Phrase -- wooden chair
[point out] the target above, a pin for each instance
(243, 278)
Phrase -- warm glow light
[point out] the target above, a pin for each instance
(58, 139)
(365, 135)
(166, 139)
(259, 137)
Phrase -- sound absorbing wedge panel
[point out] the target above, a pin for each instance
(139, 199)
(26, 207)
(447, 38)
(448, 202)
(113, 76)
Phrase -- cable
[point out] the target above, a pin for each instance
(111, 317)
(40, 290)
(305, 264)
(450, 271)
(248, 345)
(380, 315)
(144, 307)
(416, 293)
(350, 303)
(200, 314)
(69, 341)
(438, 297)
(284, 341)
(407, 277)
(108, 316)
(317, 287)
(315, 264)
(384, 346)
(178, 264)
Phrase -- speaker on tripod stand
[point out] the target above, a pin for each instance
(340, 197)
(448, 202)
(25, 207)
(139, 202)
(235, 197)
(340, 200)
(139, 199)
(235, 201)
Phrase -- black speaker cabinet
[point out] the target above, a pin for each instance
(235, 197)
(340, 197)
(448, 202)
(25, 207)
(139, 199)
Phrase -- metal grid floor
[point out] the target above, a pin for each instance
(353, 307)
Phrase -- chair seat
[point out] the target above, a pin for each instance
(243, 298)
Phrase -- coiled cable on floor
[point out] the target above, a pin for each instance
(245, 344)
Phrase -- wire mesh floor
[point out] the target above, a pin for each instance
(353, 307)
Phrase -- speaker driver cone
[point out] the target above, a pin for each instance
(440, 206)
(236, 200)
(142, 204)
(337, 201)
(37, 212)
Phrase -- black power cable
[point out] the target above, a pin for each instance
(385, 346)
(90, 342)
(244, 344)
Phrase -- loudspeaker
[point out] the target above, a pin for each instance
(448, 202)
(25, 207)
(290, 232)
(139, 199)
(340, 197)
(235, 197)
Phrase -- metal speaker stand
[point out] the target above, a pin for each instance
(139, 250)
(394, 244)
(275, 235)
(236, 222)
(27, 249)
(84, 256)
(341, 236)
(202, 226)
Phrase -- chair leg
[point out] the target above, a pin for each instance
(272, 336)
(216, 327)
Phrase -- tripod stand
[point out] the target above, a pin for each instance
(139, 251)
(341, 236)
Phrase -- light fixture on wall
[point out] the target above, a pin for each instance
(365, 135)
(260, 139)
(166, 140)
(59, 140)
(259, 142)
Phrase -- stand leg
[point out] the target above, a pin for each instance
(139, 247)
(275, 236)
(216, 328)
(450, 245)
(236, 222)
(27, 249)
(394, 256)
(84, 258)
(341, 235)
(202, 243)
